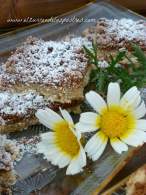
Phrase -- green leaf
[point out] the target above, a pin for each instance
(128, 76)
(119, 57)
(139, 54)
(88, 52)
(94, 46)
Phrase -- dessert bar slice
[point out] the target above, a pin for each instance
(57, 70)
(17, 110)
(117, 33)
(112, 35)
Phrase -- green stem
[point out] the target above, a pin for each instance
(101, 81)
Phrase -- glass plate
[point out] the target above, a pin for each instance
(33, 171)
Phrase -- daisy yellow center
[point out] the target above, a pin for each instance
(115, 121)
(65, 139)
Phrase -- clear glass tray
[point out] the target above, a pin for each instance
(34, 172)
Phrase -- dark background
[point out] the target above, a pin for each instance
(46, 8)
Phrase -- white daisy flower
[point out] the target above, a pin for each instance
(62, 145)
(118, 120)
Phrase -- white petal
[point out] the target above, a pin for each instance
(142, 135)
(52, 154)
(66, 116)
(89, 118)
(132, 92)
(141, 125)
(48, 137)
(85, 127)
(113, 94)
(54, 116)
(77, 164)
(140, 111)
(43, 119)
(100, 151)
(96, 143)
(63, 162)
(47, 144)
(118, 145)
(131, 97)
(49, 151)
(48, 117)
(82, 156)
(45, 147)
(73, 168)
(77, 134)
(41, 148)
(96, 101)
(60, 160)
(135, 139)
(137, 101)
(88, 122)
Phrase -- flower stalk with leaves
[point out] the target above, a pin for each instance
(128, 76)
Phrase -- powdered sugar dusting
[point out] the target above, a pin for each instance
(27, 145)
(127, 29)
(103, 64)
(117, 33)
(19, 103)
(50, 62)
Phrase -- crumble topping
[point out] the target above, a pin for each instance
(136, 184)
(140, 189)
(46, 62)
(8, 153)
(27, 145)
(5, 160)
(118, 32)
(19, 104)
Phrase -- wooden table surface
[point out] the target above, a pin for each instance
(137, 161)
